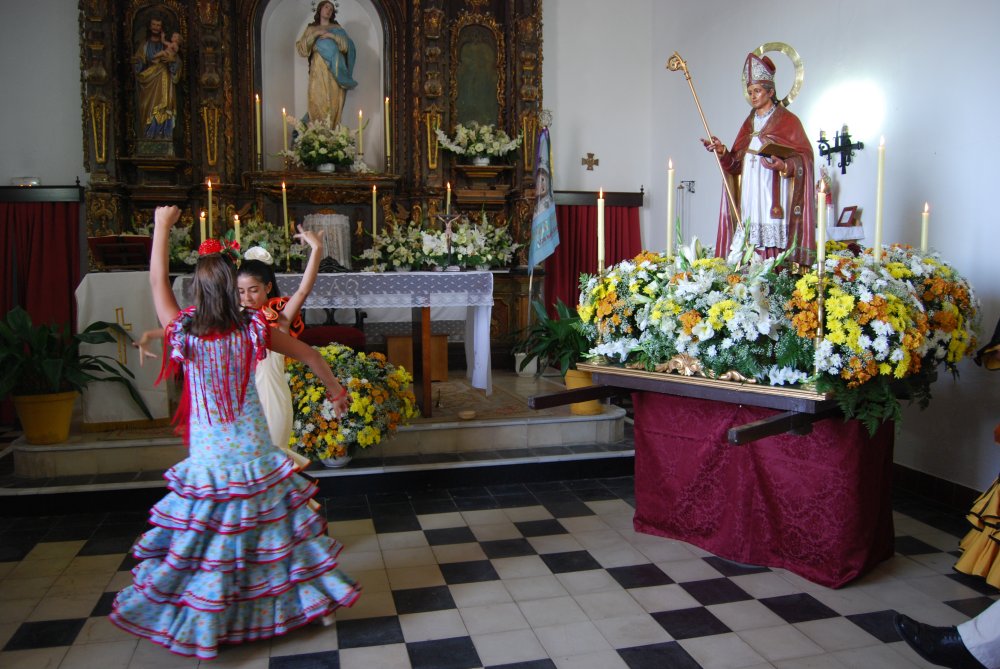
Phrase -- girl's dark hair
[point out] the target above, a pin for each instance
(263, 272)
(215, 296)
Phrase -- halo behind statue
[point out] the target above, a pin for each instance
(793, 56)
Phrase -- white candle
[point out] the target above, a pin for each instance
(388, 143)
(600, 231)
(260, 141)
(447, 201)
(670, 207)
(821, 226)
(284, 129)
(879, 187)
(211, 228)
(284, 207)
(201, 221)
(236, 227)
(925, 221)
(361, 141)
(374, 211)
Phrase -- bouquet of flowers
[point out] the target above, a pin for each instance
(476, 140)
(180, 243)
(400, 247)
(885, 327)
(380, 401)
(320, 142)
(255, 231)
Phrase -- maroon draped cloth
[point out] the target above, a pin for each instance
(577, 250)
(818, 504)
(39, 264)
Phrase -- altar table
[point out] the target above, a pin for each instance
(816, 504)
(416, 290)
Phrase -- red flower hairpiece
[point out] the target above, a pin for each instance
(210, 246)
(227, 247)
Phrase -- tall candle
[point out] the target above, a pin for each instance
(260, 142)
(925, 222)
(236, 227)
(361, 141)
(211, 229)
(821, 226)
(388, 142)
(600, 231)
(879, 187)
(284, 129)
(284, 207)
(374, 210)
(201, 221)
(447, 201)
(670, 207)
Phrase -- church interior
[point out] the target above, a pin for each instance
(679, 523)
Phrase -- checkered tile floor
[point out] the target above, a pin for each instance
(514, 576)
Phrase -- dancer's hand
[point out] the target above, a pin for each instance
(340, 398)
(165, 217)
(309, 237)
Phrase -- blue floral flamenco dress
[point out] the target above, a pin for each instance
(236, 552)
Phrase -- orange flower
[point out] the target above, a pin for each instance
(689, 319)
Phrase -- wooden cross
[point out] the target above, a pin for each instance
(122, 339)
(590, 161)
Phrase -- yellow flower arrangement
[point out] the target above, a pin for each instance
(380, 401)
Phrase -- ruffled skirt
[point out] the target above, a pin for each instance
(981, 546)
(236, 554)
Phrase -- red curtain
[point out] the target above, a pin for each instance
(40, 261)
(577, 250)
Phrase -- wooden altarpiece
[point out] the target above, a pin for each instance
(442, 62)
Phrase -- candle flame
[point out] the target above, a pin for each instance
(600, 196)
(373, 188)
(256, 97)
(202, 214)
(670, 163)
(282, 185)
(881, 142)
(236, 218)
(387, 100)
(927, 208)
(283, 113)
(359, 113)
(822, 186)
(209, 182)
(449, 185)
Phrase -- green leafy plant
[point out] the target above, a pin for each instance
(41, 359)
(557, 342)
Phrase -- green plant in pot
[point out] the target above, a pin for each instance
(558, 342)
(37, 361)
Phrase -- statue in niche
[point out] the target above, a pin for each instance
(331, 57)
(157, 64)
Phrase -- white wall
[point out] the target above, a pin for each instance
(928, 67)
(41, 130)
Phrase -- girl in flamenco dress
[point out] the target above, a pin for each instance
(236, 553)
(258, 288)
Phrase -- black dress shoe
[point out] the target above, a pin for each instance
(938, 645)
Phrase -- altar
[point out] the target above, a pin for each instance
(414, 290)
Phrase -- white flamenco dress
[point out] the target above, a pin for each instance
(236, 552)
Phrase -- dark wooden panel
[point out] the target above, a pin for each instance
(611, 199)
(41, 194)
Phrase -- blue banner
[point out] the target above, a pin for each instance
(544, 230)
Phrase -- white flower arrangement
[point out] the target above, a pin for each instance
(319, 142)
(475, 140)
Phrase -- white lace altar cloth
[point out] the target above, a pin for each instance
(472, 290)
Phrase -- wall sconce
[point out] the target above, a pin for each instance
(842, 145)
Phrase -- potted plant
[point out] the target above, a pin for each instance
(559, 342)
(43, 370)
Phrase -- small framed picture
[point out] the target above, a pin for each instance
(848, 217)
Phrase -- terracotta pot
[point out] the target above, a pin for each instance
(577, 379)
(45, 418)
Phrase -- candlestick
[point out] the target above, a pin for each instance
(388, 142)
(260, 141)
(447, 201)
(211, 228)
(201, 221)
(236, 227)
(361, 141)
(670, 206)
(600, 231)
(821, 227)
(284, 129)
(374, 211)
(925, 220)
(284, 207)
(877, 247)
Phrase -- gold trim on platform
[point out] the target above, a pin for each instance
(779, 391)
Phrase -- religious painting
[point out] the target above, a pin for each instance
(477, 76)
(157, 63)
(848, 217)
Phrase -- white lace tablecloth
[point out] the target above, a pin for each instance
(472, 290)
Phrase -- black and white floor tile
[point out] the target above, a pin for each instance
(513, 576)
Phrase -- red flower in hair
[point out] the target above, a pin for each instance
(210, 246)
